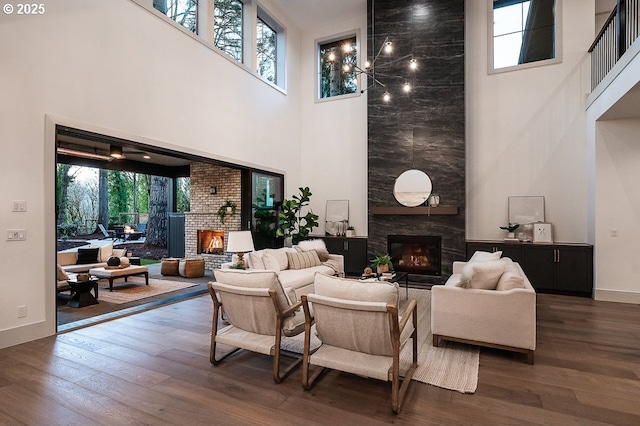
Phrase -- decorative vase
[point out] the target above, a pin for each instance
(288, 242)
(434, 200)
(383, 268)
(351, 233)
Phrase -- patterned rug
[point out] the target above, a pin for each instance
(135, 289)
(451, 366)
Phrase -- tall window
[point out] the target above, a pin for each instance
(227, 27)
(184, 12)
(524, 31)
(266, 51)
(337, 60)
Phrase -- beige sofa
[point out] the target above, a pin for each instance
(503, 319)
(68, 259)
(293, 270)
(69, 266)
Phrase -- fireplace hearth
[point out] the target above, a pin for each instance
(210, 241)
(415, 254)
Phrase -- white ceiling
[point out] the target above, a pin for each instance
(304, 12)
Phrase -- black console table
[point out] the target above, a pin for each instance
(354, 250)
(552, 268)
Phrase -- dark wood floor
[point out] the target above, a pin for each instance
(153, 368)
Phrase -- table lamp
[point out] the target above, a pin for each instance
(240, 242)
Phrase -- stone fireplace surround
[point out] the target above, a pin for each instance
(424, 130)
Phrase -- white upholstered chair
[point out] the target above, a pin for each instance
(259, 314)
(360, 331)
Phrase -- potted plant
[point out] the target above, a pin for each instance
(351, 231)
(382, 263)
(228, 208)
(292, 224)
(510, 229)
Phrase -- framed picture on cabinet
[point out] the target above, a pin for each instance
(542, 233)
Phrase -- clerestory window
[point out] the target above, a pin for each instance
(266, 50)
(184, 12)
(227, 27)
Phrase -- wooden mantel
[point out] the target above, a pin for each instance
(421, 210)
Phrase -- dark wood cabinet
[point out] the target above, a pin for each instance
(554, 268)
(354, 250)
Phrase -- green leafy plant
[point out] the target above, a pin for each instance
(511, 227)
(382, 260)
(291, 221)
(228, 208)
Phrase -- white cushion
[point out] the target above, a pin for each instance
(254, 279)
(509, 281)
(484, 256)
(105, 252)
(482, 275)
(255, 260)
(61, 274)
(276, 259)
(318, 245)
(343, 288)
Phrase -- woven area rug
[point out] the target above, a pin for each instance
(451, 366)
(135, 289)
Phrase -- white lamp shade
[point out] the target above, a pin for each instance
(239, 241)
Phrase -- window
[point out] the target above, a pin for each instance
(184, 12)
(227, 27)
(524, 32)
(266, 50)
(337, 61)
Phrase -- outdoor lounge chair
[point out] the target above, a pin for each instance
(107, 233)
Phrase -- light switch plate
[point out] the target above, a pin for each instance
(19, 205)
(16, 234)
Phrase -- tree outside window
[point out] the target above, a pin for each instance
(337, 67)
(227, 27)
(184, 12)
(266, 51)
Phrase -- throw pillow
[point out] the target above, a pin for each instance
(482, 275)
(484, 256)
(255, 260)
(87, 255)
(270, 262)
(509, 281)
(318, 245)
(302, 260)
(62, 275)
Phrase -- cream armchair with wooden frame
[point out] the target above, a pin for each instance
(360, 331)
(259, 314)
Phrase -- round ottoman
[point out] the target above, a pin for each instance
(191, 268)
(169, 266)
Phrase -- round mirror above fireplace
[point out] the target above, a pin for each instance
(412, 188)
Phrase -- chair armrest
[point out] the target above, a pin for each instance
(407, 314)
(291, 308)
(457, 267)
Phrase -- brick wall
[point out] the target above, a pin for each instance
(204, 208)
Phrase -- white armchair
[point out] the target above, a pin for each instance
(361, 332)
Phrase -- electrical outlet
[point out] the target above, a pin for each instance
(22, 311)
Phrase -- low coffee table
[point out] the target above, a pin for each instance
(125, 273)
(399, 276)
(81, 292)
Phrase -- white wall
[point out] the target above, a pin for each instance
(334, 145)
(613, 123)
(115, 67)
(526, 129)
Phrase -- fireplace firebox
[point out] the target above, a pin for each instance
(415, 254)
(210, 241)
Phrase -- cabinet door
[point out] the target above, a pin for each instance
(513, 251)
(356, 259)
(574, 269)
(335, 245)
(539, 266)
(475, 246)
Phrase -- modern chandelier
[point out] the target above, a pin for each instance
(370, 67)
